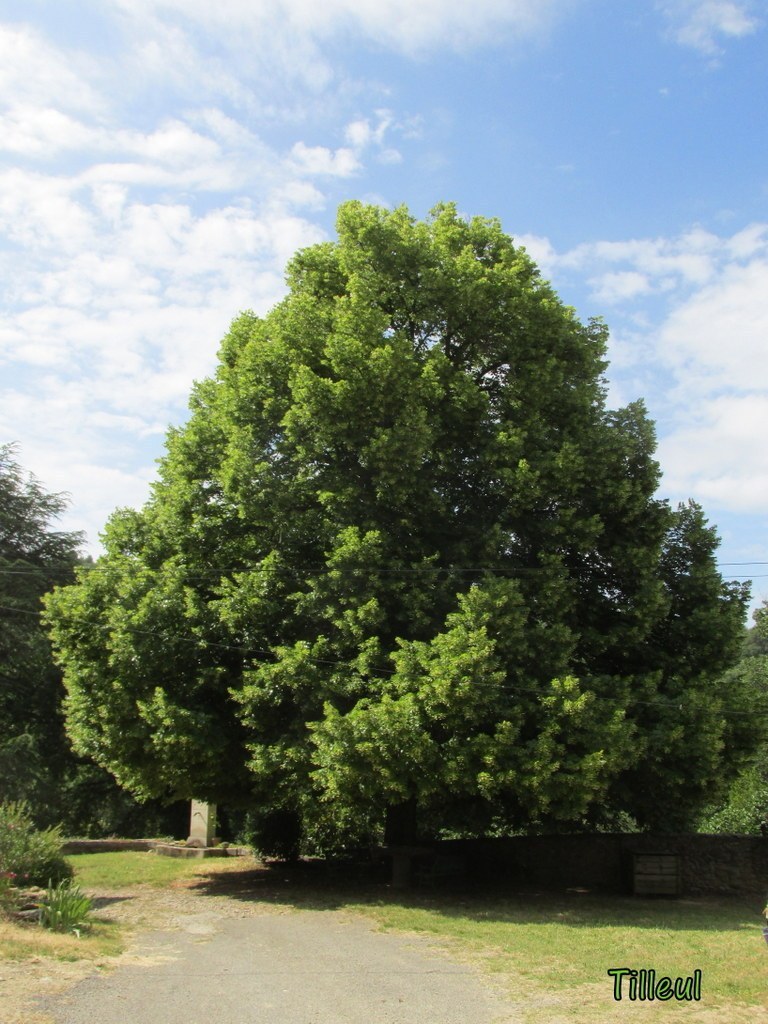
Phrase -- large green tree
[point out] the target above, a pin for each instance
(402, 561)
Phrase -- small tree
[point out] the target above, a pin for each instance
(402, 562)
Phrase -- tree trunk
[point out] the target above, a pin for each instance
(400, 824)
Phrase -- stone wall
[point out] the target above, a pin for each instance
(709, 864)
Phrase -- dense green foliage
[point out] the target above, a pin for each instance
(33, 557)
(402, 559)
(37, 763)
(745, 810)
(28, 855)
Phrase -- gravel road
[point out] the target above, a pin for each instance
(304, 967)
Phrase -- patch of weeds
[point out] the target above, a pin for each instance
(65, 908)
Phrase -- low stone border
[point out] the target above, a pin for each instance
(163, 848)
(172, 850)
(106, 845)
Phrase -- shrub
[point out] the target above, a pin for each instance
(29, 856)
(276, 833)
(64, 907)
(7, 901)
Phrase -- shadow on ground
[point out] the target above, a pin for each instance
(99, 902)
(320, 885)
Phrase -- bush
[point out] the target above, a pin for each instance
(7, 900)
(275, 833)
(29, 856)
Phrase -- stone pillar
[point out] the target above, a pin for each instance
(401, 868)
(202, 823)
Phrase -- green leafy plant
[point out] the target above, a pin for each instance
(29, 856)
(64, 907)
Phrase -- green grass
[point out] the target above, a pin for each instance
(130, 867)
(562, 943)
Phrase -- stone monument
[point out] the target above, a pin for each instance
(202, 824)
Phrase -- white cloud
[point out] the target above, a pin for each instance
(42, 131)
(390, 156)
(173, 144)
(341, 163)
(114, 305)
(37, 211)
(717, 337)
(358, 133)
(363, 134)
(34, 72)
(702, 24)
(400, 24)
(541, 251)
(750, 240)
(621, 285)
(722, 458)
(296, 195)
(663, 262)
(95, 489)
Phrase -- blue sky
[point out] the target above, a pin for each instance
(161, 159)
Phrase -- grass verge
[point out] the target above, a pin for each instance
(565, 946)
(28, 941)
(137, 867)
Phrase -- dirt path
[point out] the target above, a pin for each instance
(214, 957)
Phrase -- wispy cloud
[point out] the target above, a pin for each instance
(705, 24)
(398, 24)
(35, 72)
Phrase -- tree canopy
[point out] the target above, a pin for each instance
(37, 763)
(33, 558)
(403, 558)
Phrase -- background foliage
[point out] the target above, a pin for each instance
(37, 764)
(746, 808)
